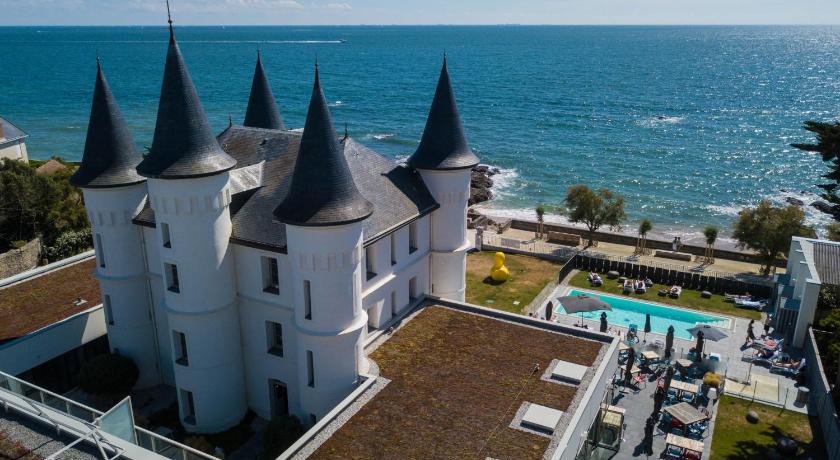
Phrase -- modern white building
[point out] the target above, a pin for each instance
(247, 269)
(12, 141)
(811, 264)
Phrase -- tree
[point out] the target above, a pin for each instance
(644, 228)
(767, 230)
(540, 210)
(594, 209)
(828, 146)
(711, 234)
(32, 205)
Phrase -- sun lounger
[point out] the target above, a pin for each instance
(628, 286)
(675, 292)
(735, 297)
(754, 304)
(786, 369)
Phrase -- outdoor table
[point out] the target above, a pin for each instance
(684, 363)
(623, 347)
(650, 355)
(685, 413)
(684, 443)
(684, 387)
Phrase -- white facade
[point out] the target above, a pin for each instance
(15, 150)
(227, 329)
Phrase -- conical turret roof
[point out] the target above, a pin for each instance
(263, 111)
(110, 156)
(183, 145)
(443, 145)
(322, 191)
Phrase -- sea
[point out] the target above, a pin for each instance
(689, 124)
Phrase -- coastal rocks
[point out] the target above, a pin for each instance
(795, 201)
(822, 206)
(481, 183)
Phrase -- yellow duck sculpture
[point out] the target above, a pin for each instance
(499, 272)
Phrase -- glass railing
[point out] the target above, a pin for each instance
(37, 396)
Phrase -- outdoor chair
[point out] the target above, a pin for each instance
(673, 452)
(687, 397)
(691, 455)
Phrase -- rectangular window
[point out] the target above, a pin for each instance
(310, 368)
(412, 289)
(370, 261)
(100, 250)
(412, 237)
(165, 236)
(109, 313)
(393, 304)
(188, 406)
(307, 300)
(274, 336)
(271, 275)
(172, 282)
(179, 339)
(393, 249)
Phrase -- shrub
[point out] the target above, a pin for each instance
(711, 380)
(108, 374)
(279, 434)
(69, 244)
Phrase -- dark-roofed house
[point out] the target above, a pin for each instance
(12, 141)
(247, 270)
(811, 264)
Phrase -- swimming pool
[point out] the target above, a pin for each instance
(627, 311)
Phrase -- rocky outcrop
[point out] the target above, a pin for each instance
(795, 201)
(480, 184)
(20, 260)
(822, 206)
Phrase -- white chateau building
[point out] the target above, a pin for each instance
(246, 269)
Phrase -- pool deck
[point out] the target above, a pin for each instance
(763, 386)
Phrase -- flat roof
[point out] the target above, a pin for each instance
(455, 382)
(41, 300)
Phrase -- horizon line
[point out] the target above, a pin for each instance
(449, 25)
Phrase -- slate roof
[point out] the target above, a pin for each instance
(397, 193)
(110, 157)
(322, 190)
(11, 132)
(262, 111)
(827, 262)
(184, 145)
(443, 145)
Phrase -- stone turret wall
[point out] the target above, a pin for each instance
(20, 260)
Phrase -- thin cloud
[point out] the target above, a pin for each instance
(339, 6)
(287, 4)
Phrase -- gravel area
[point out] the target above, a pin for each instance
(42, 439)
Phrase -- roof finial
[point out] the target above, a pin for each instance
(169, 20)
(98, 61)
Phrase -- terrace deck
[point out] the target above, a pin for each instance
(42, 300)
(456, 382)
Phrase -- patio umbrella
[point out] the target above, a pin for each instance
(628, 370)
(582, 303)
(699, 347)
(666, 381)
(549, 310)
(603, 322)
(709, 333)
(658, 399)
(669, 341)
(647, 325)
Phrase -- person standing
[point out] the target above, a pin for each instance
(750, 333)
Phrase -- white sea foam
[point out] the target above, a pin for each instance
(380, 137)
(506, 182)
(660, 120)
(335, 104)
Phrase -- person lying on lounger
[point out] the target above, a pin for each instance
(793, 364)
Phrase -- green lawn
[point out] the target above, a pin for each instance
(736, 438)
(689, 298)
(528, 276)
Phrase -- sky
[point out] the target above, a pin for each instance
(380, 12)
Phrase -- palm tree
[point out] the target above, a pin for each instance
(711, 234)
(644, 228)
(540, 210)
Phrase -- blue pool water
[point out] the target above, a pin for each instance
(627, 311)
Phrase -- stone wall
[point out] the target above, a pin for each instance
(630, 240)
(20, 260)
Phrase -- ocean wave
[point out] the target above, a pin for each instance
(336, 104)
(380, 137)
(813, 216)
(660, 120)
(506, 182)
